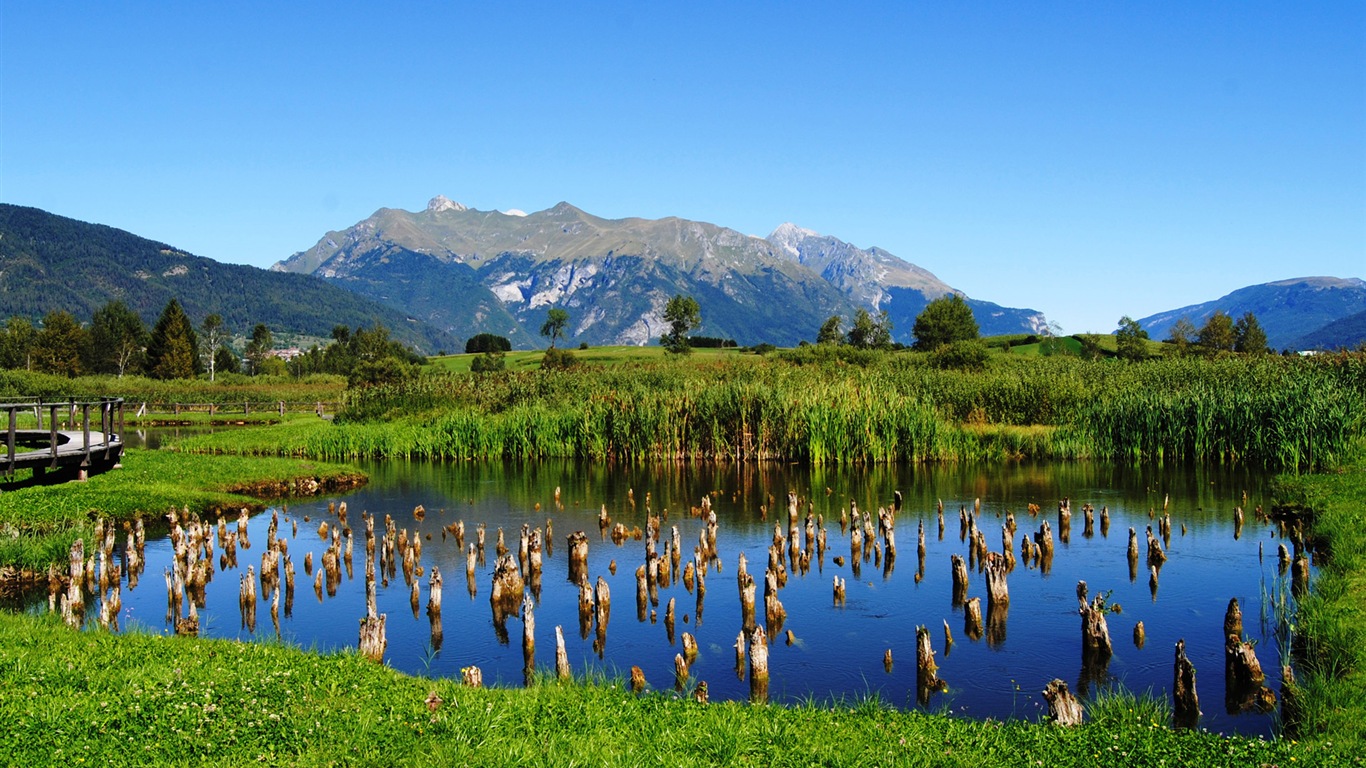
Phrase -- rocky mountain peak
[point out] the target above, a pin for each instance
(442, 203)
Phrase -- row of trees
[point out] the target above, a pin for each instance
(117, 342)
(1220, 335)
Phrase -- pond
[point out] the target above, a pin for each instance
(836, 652)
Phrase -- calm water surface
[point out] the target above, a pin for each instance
(838, 653)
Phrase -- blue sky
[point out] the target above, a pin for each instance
(1089, 160)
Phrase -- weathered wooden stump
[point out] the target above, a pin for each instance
(1185, 701)
(972, 618)
(960, 579)
(926, 670)
(1140, 635)
(680, 673)
(1063, 708)
(642, 593)
(1095, 634)
(528, 641)
(508, 586)
(758, 666)
(637, 679)
(472, 677)
(839, 591)
(578, 557)
(1233, 619)
(562, 671)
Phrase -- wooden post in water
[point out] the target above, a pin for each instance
(972, 618)
(960, 579)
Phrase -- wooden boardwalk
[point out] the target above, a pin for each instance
(78, 439)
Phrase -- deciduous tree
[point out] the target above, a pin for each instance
(682, 314)
(1131, 340)
(61, 345)
(1249, 338)
(555, 321)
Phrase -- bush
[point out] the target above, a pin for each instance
(583, 345)
(763, 349)
(489, 362)
(487, 342)
(968, 355)
(558, 360)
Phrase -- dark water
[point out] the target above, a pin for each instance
(838, 652)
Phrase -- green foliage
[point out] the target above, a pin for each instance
(62, 346)
(558, 360)
(17, 344)
(1217, 335)
(944, 320)
(487, 342)
(214, 334)
(831, 331)
(117, 339)
(1249, 338)
(869, 333)
(1182, 335)
(173, 350)
(682, 313)
(963, 355)
(260, 346)
(555, 321)
(224, 361)
(1130, 340)
(490, 362)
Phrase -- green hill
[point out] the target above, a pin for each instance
(50, 262)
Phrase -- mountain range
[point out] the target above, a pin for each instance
(467, 271)
(438, 276)
(1302, 313)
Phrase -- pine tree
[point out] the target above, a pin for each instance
(173, 350)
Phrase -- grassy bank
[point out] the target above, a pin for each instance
(841, 406)
(1331, 620)
(38, 524)
(138, 699)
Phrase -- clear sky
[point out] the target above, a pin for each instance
(1089, 160)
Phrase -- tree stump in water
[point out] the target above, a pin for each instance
(528, 641)
(758, 666)
(747, 601)
(508, 586)
(472, 677)
(972, 618)
(960, 580)
(1185, 701)
(1233, 619)
(1063, 708)
(839, 591)
(740, 655)
(926, 670)
(1095, 634)
(680, 673)
(998, 592)
(1140, 636)
(578, 557)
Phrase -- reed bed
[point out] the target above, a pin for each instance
(1272, 412)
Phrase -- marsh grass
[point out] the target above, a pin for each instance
(1330, 622)
(837, 406)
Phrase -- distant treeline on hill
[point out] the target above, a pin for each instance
(711, 342)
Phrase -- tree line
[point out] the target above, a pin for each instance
(117, 342)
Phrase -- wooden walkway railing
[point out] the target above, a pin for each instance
(245, 407)
(78, 446)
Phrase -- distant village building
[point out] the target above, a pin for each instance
(285, 354)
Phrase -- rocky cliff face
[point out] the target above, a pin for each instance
(472, 271)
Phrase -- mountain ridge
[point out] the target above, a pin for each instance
(1289, 310)
(566, 257)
